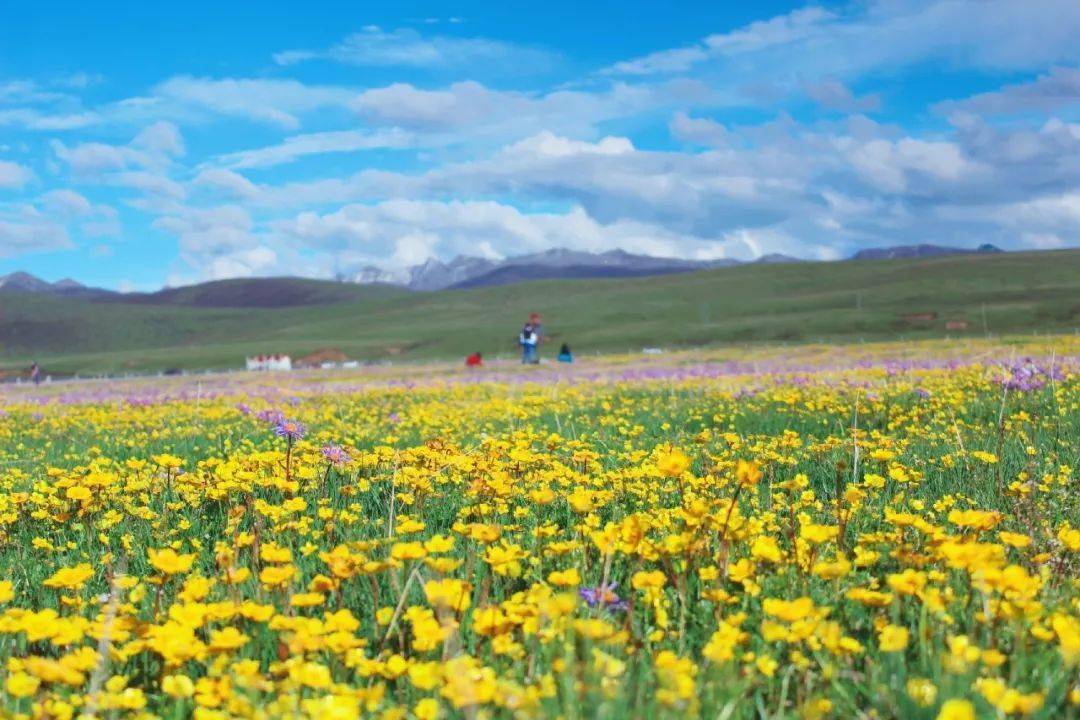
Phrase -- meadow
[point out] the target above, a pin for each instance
(871, 531)
(215, 325)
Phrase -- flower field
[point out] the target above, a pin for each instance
(877, 531)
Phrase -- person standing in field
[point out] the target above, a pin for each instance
(528, 339)
(565, 356)
(474, 360)
(35, 374)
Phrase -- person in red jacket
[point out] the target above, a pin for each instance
(474, 360)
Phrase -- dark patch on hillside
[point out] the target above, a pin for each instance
(275, 292)
(510, 274)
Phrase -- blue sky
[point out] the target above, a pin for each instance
(150, 145)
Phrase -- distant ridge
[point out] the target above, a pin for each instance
(917, 251)
(563, 264)
(25, 282)
(432, 275)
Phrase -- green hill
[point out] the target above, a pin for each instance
(803, 302)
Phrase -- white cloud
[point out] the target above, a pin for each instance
(1060, 88)
(66, 202)
(298, 146)
(701, 131)
(889, 165)
(242, 263)
(33, 119)
(93, 158)
(24, 229)
(374, 46)
(400, 233)
(280, 102)
(151, 184)
(472, 110)
(835, 95)
(162, 137)
(234, 184)
(152, 148)
(210, 232)
(13, 175)
(880, 35)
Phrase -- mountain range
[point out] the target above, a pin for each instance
(561, 264)
(473, 272)
(25, 282)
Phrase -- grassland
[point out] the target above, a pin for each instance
(862, 538)
(798, 303)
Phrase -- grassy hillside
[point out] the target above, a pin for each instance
(263, 293)
(1001, 293)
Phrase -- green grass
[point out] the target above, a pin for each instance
(848, 301)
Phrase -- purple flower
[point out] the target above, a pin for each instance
(270, 416)
(922, 392)
(289, 429)
(243, 408)
(1027, 377)
(335, 455)
(394, 418)
(602, 596)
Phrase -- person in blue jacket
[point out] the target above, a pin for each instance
(565, 355)
(528, 339)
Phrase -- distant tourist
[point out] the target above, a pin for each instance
(35, 374)
(565, 355)
(534, 320)
(528, 338)
(474, 360)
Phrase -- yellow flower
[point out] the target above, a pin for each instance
(565, 578)
(448, 593)
(908, 582)
(956, 709)
(7, 591)
(505, 559)
(766, 665)
(818, 534)
(312, 675)
(177, 686)
(308, 599)
(227, 639)
(72, 577)
(272, 553)
(167, 461)
(20, 685)
(426, 709)
(1067, 629)
(747, 474)
(1016, 540)
(766, 548)
(581, 500)
(79, 493)
(439, 544)
(408, 551)
(643, 579)
(922, 691)
(975, 519)
(168, 562)
(1070, 538)
(722, 644)
(892, 638)
(276, 575)
(672, 463)
(838, 568)
(789, 610)
(425, 675)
